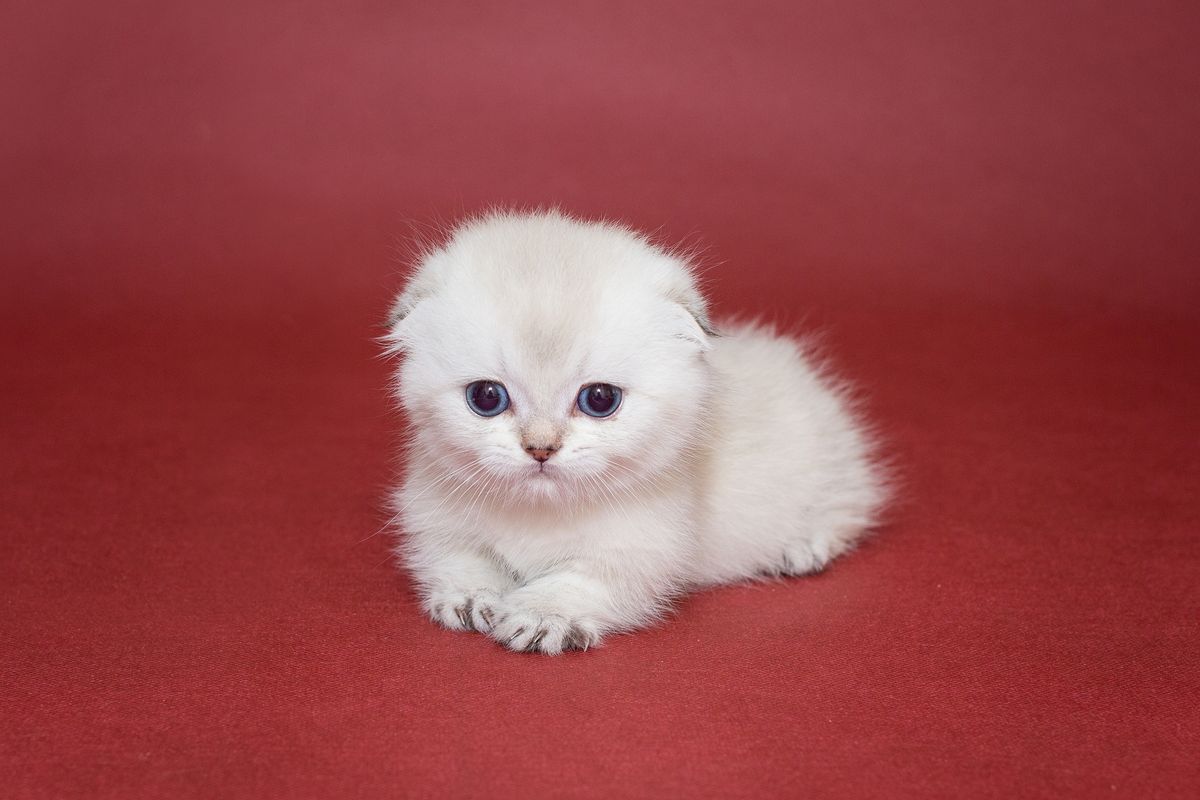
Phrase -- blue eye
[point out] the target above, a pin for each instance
(487, 398)
(599, 399)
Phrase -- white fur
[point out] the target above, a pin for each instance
(730, 456)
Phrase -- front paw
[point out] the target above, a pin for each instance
(535, 628)
(463, 610)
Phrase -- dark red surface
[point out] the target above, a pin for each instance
(991, 210)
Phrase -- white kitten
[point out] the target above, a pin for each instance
(585, 447)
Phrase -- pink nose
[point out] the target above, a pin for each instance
(540, 454)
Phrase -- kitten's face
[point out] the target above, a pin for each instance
(551, 363)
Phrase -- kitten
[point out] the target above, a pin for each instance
(585, 446)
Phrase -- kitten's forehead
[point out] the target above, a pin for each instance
(547, 303)
(555, 340)
(559, 291)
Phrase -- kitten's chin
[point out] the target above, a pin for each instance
(544, 484)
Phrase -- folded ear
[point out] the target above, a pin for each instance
(405, 302)
(699, 311)
(699, 327)
(423, 282)
(397, 339)
(420, 287)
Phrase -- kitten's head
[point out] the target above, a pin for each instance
(548, 360)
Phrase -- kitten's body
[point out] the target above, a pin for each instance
(729, 456)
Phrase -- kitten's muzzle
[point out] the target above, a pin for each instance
(541, 453)
(541, 437)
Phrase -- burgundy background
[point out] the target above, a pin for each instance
(990, 209)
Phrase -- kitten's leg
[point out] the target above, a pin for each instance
(460, 589)
(568, 610)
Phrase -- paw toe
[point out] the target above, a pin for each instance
(462, 611)
(805, 558)
(483, 616)
(577, 639)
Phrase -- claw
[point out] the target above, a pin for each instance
(576, 639)
(463, 613)
(536, 640)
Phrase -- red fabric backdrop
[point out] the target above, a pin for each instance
(990, 209)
